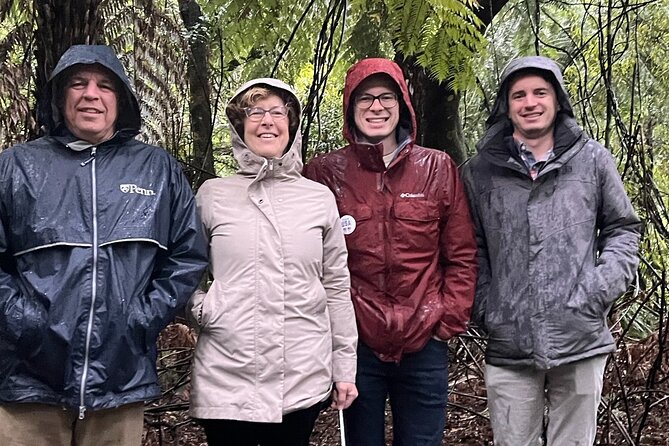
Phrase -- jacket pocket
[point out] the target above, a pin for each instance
(588, 295)
(213, 305)
(26, 322)
(572, 331)
(416, 224)
(194, 308)
(416, 210)
(358, 228)
(510, 339)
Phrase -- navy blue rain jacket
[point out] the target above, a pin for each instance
(98, 249)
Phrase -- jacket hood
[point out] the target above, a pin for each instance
(361, 71)
(540, 64)
(499, 126)
(249, 162)
(129, 119)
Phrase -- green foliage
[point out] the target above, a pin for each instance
(248, 40)
(16, 75)
(368, 35)
(450, 39)
(268, 38)
(443, 35)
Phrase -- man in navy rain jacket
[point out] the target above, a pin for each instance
(100, 246)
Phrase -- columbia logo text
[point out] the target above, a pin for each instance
(409, 195)
(135, 189)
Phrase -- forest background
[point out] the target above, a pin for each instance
(186, 57)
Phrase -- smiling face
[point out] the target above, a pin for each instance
(533, 107)
(269, 136)
(376, 123)
(90, 105)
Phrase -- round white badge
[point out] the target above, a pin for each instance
(348, 224)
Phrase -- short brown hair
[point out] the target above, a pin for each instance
(250, 97)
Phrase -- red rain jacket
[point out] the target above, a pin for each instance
(410, 238)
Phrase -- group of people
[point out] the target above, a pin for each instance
(339, 282)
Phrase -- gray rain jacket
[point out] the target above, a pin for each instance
(554, 253)
(98, 249)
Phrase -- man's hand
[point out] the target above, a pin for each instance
(343, 395)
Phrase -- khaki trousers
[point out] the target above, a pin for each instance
(517, 397)
(28, 424)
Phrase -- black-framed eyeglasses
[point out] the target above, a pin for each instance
(365, 101)
(257, 113)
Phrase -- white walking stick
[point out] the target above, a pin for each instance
(342, 431)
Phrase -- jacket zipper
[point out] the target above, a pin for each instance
(89, 325)
(380, 184)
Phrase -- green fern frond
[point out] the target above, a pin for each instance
(442, 34)
(406, 21)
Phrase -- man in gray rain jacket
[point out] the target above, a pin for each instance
(557, 244)
(100, 245)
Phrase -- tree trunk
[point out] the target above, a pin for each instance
(436, 104)
(488, 9)
(61, 24)
(437, 114)
(202, 159)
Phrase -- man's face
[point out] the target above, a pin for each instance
(90, 107)
(376, 122)
(532, 107)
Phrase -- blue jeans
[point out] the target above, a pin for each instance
(417, 387)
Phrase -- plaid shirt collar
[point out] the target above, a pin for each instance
(532, 164)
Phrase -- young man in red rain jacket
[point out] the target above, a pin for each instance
(412, 257)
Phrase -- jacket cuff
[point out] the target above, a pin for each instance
(344, 370)
(444, 332)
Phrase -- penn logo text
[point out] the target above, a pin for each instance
(135, 189)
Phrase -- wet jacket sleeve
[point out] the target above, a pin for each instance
(21, 318)
(337, 283)
(484, 275)
(617, 241)
(194, 306)
(178, 272)
(311, 171)
(457, 244)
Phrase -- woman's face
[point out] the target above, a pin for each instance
(266, 131)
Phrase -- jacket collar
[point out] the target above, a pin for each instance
(496, 144)
(371, 155)
(66, 138)
(289, 165)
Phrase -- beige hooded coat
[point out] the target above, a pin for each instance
(277, 326)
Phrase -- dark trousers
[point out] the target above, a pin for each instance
(417, 388)
(294, 430)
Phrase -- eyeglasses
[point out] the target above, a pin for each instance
(257, 113)
(365, 101)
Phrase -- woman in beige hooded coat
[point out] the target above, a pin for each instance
(277, 330)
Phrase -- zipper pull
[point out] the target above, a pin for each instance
(271, 165)
(83, 163)
(82, 412)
